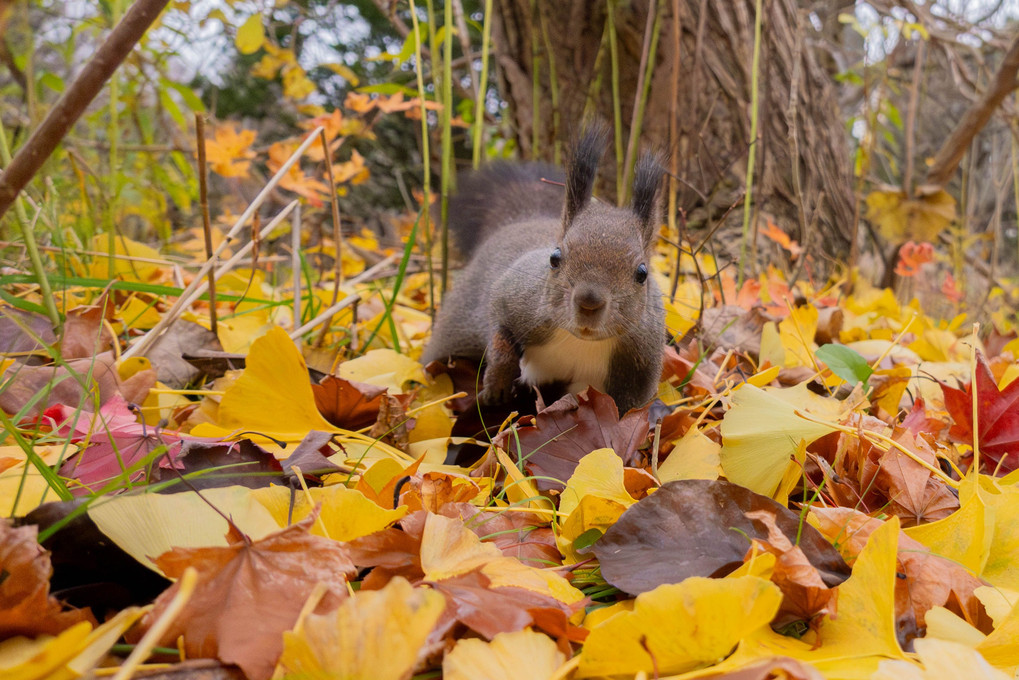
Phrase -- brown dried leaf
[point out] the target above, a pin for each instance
(805, 597)
(249, 593)
(84, 333)
(699, 528)
(26, 607)
(346, 404)
(914, 494)
(568, 430)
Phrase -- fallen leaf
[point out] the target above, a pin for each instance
(509, 656)
(249, 593)
(997, 418)
(678, 627)
(26, 607)
(379, 634)
(699, 528)
(568, 430)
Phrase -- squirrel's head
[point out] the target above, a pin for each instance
(600, 269)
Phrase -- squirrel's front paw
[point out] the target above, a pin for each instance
(495, 394)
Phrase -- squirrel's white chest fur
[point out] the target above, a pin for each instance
(567, 358)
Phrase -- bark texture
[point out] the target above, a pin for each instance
(803, 180)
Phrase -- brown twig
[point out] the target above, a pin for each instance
(79, 94)
(203, 201)
(951, 152)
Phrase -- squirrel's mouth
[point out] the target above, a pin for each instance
(589, 333)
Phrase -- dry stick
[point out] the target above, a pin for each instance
(76, 98)
(337, 235)
(911, 113)
(465, 44)
(203, 199)
(295, 262)
(345, 302)
(677, 27)
(951, 152)
(638, 96)
(191, 294)
(149, 338)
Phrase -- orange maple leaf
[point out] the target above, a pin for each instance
(229, 151)
(950, 290)
(781, 238)
(296, 180)
(912, 256)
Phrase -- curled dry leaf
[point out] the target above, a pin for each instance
(26, 607)
(700, 528)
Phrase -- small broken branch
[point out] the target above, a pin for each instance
(951, 152)
(78, 96)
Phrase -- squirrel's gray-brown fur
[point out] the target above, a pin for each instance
(557, 288)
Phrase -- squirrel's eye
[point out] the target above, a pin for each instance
(641, 275)
(556, 258)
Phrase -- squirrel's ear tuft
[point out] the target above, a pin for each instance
(646, 182)
(582, 167)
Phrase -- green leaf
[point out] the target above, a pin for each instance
(193, 101)
(52, 81)
(844, 362)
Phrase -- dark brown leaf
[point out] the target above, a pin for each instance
(700, 528)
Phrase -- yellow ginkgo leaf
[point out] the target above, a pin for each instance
(72, 654)
(374, 635)
(796, 333)
(940, 660)
(964, 536)
(346, 513)
(998, 602)
(593, 512)
(147, 525)
(678, 627)
(127, 269)
(695, 456)
(1000, 648)
(385, 368)
(509, 656)
(863, 632)
(520, 489)
(760, 434)
(599, 473)
(273, 397)
(448, 549)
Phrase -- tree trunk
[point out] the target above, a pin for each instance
(803, 180)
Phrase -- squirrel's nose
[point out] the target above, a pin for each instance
(588, 299)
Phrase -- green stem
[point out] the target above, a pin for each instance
(425, 152)
(27, 228)
(752, 154)
(617, 107)
(479, 103)
(446, 179)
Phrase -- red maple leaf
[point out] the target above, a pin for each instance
(997, 418)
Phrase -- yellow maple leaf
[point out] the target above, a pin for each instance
(900, 218)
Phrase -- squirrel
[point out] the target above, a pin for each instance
(556, 290)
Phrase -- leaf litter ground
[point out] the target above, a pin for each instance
(825, 489)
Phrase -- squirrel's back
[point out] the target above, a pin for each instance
(500, 194)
